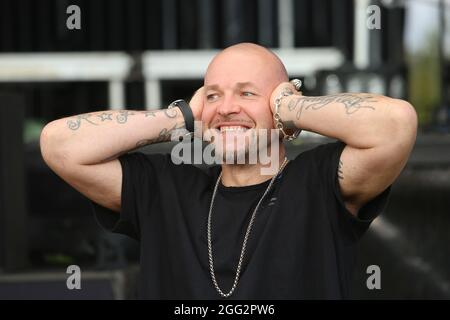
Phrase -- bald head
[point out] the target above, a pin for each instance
(256, 59)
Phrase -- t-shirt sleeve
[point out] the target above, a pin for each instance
(354, 225)
(138, 190)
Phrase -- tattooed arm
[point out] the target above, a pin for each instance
(379, 133)
(83, 149)
(95, 137)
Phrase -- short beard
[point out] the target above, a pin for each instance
(248, 149)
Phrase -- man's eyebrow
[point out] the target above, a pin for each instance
(246, 84)
(212, 87)
(238, 85)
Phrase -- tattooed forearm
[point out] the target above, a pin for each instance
(105, 116)
(169, 113)
(340, 173)
(164, 135)
(351, 102)
(75, 123)
(150, 113)
(120, 117)
(294, 104)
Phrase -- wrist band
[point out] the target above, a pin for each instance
(186, 111)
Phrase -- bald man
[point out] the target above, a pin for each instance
(231, 231)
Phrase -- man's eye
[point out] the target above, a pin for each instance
(247, 94)
(211, 97)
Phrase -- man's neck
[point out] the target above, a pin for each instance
(239, 175)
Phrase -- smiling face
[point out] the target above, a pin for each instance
(238, 85)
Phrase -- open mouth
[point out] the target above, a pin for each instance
(232, 129)
(233, 126)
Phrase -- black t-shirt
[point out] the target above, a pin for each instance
(302, 244)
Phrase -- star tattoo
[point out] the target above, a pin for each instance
(105, 116)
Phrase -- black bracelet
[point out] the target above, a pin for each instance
(187, 113)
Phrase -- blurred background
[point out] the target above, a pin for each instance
(61, 57)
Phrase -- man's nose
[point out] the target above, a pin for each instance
(228, 106)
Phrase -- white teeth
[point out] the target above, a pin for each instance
(233, 129)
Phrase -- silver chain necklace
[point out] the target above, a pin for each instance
(247, 233)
